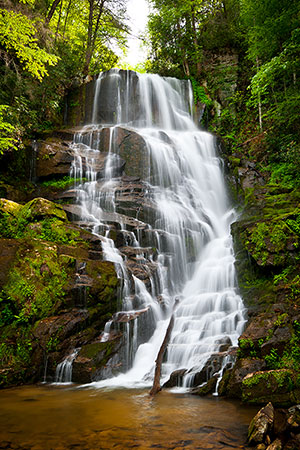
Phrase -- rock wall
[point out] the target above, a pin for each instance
(266, 240)
(56, 290)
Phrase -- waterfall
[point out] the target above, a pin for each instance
(172, 216)
(63, 372)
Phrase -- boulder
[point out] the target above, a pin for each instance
(131, 147)
(9, 207)
(276, 445)
(40, 208)
(261, 425)
(93, 358)
(231, 384)
(175, 378)
(278, 341)
(257, 330)
(54, 158)
(206, 388)
(275, 385)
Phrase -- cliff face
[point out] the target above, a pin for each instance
(266, 240)
(51, 269)
(56, 291)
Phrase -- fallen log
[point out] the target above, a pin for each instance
(156, 382)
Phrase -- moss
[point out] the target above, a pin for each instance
(39, 208)
(36, 283)
(105, 283)
(61, 183)
(273, 385)
(15, 354)
(39, 219)
(9, 207)
(99, 352)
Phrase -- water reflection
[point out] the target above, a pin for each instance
(48, 418)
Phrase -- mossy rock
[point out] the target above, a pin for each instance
(207, 388)
(9, 207)
(276, 386)
(40, 208)
(92, 359)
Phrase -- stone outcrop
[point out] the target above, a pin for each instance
(266, 239)
(56, 291)
(53, 158)
(275, 429)
(261, 426)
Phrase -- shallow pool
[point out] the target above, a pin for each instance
(69, 417)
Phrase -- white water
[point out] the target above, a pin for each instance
(64, 369)
(190, 230)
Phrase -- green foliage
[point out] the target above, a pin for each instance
(17, 355)
(56, 231)
(258, 236)
(6, 131)
(200, 94)
(247, 348)
(285, 174)
(61, 183)
(273, 360)
(34, 288)
(17, 35)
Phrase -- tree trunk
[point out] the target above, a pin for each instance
(156, 382)
(196, 44)
(97, 25)
(92, 33)
(59, 19)
(182, 49)
(88, 53)
(52, 11)
(259, 102)
(67, 16)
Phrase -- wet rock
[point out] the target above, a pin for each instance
(207, 388)
(257, 330)
(74, 212)
(212, 365)
(93, 358)
(115, 170)
(175, 378)
(127, 316)
(232, 383)
(261, 425)
(224, 343)
(60, 326)
(132, 148)
(280, 421)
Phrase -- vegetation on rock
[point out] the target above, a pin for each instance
(39, 298)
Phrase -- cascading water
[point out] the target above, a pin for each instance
(178, 230)
(64, 369)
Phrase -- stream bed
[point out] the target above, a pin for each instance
(47, 417)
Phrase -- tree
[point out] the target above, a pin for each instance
(7, 141)
(273, 38)
(18, 39)
(175, 33)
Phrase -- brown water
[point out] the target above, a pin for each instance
(60, 418)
